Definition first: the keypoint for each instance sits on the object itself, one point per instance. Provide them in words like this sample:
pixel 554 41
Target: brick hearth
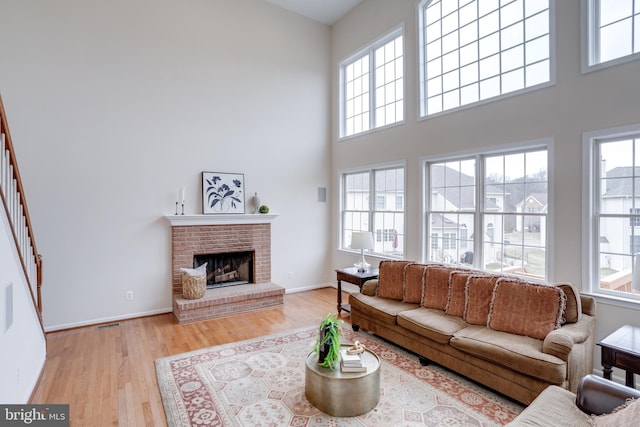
pixel 229 300
pixel 211 234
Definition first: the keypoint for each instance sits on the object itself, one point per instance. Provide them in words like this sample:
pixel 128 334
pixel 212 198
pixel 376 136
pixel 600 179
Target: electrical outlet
pixel 129 295
pixel 290 275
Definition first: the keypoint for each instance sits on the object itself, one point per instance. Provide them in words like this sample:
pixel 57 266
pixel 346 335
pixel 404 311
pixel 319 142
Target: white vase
pixel 256 203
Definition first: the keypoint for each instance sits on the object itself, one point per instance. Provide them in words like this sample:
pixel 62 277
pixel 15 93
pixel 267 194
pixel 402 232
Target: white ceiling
pixel 324 11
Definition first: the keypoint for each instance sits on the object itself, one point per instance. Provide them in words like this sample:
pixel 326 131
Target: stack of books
pixel 351 362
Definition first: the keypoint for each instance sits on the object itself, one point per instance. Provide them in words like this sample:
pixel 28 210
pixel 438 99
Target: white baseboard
pixel 307 288
pixel 159 311
pixel 106 320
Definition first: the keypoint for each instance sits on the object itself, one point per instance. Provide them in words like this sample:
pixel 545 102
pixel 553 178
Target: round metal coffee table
pixel 343 394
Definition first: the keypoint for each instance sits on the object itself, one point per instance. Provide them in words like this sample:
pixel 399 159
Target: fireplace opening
pixel 227 269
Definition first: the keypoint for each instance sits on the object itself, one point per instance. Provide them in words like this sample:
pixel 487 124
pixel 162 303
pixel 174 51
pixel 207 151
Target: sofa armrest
pixel 370 287
pixel 588 305
pixel 560 342
pixel 598 396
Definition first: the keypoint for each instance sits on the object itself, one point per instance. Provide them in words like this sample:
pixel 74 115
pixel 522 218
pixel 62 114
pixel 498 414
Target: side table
pixel 343 394
pixel 621 349
pixel 352 275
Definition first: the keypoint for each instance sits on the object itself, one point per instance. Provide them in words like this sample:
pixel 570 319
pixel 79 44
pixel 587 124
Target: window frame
pixel 372 169
pixel 590 40
pixel 590 215
pixel 426 237
pixel 422 98
pixel 370 49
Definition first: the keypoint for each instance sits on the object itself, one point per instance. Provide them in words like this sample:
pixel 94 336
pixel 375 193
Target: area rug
pixel 260 382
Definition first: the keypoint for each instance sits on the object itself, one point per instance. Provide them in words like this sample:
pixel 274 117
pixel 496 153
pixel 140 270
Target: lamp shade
pixel 635 277
pixel 362 240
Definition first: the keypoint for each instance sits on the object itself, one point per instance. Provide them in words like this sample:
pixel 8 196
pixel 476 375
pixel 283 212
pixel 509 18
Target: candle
pixel 183 188
pixel 177 195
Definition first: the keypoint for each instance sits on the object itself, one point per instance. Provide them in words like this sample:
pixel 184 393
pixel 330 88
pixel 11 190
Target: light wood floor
pixel 107 375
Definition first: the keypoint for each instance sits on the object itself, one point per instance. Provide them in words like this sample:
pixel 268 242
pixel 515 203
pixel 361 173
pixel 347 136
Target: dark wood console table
pixel 621 349
pixel 352 275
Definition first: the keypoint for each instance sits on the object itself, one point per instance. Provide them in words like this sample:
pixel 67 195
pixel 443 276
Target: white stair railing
pixel 15 206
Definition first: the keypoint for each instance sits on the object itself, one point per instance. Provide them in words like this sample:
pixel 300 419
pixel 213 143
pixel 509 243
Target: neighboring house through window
pixel 612 209
pixel 472 51
pixel 372 86
pixel 385 217
pixel 511 238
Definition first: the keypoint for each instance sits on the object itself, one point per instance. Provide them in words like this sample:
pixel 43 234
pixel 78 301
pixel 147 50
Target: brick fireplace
pixel 212 234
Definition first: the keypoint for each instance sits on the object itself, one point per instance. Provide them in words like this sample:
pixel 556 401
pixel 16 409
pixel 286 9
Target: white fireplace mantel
pixel 220 219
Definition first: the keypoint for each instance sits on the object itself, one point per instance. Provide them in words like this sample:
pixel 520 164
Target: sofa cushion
pixel 556 407
pixel 413 283
pixel 431 323
pixel 391 279
pixel 382 309
pixel 456 299
pixel 520 353
pixel 524 308
pixel 479 292
pixel 628 414
pixel 436 286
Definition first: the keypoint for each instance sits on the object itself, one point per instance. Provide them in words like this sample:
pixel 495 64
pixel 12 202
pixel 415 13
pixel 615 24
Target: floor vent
pixel 110 325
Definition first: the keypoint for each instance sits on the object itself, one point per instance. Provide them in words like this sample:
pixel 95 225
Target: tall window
pixel 490 211
pixel 473 50
pixel 370 203
pixel 613 31
pixel 613 215
pixel 372 86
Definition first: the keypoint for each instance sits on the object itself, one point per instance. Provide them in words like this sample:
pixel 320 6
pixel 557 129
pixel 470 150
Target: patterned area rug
pixel 260 382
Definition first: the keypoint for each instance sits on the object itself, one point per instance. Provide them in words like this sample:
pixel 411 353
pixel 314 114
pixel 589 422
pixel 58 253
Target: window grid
pixel 389 82
pixel 370 203
pixel 357 96
pixel 373 86
pixel 469 53
pixel 616 29
pixel 451 207
pixel 507 228
pixel 616 214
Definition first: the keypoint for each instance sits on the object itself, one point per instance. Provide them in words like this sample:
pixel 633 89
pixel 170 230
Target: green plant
pixel 263 209
pixel 328 341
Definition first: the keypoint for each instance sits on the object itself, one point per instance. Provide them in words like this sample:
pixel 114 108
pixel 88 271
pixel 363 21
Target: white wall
pixel 575 104
pixel 114 104
pixel 22 344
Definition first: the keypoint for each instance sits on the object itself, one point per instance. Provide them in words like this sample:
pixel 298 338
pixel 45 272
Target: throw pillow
pixel 436 286
pixel 573 311
pixel 456 299
pixel 413 283
pixel 627 414
pixel 370 287
pixel 479 292
pixel 391 279
pixel 524 308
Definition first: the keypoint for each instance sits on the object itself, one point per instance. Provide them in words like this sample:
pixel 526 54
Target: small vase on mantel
pixel 255 202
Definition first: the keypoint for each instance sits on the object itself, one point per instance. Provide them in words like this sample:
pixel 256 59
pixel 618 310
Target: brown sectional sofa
pixel 513 336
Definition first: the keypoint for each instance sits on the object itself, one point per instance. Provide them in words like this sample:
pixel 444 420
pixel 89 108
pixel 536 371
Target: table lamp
pixel 362 240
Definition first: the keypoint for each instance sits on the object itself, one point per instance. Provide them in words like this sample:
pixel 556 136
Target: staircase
pixel 15 209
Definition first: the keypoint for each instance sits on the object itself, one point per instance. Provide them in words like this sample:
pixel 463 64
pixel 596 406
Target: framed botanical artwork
pixel 222 193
